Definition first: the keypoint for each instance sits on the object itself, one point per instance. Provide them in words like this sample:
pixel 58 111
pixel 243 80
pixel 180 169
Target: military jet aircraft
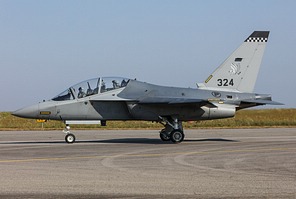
pixel 228 89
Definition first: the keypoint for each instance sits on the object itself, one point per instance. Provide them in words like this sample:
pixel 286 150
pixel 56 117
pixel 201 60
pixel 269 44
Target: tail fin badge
pixel 235 69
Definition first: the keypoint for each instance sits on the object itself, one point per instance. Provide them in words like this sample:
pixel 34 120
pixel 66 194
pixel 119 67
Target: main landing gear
pixel 69 138
pixel 173 130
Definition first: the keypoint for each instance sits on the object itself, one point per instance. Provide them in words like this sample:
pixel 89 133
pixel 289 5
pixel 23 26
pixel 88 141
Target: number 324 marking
pixel 225 82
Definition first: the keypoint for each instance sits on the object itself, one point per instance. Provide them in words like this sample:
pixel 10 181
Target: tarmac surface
pixel 220 163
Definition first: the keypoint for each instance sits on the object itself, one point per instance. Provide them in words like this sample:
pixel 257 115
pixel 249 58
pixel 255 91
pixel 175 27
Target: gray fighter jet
pixel 228 89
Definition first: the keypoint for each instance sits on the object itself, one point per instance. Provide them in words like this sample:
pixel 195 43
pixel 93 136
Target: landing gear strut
pixel 173 129
pixel 69 138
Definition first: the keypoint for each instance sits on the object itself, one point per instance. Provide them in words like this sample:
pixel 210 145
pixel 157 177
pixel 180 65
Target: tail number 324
pixel 225 82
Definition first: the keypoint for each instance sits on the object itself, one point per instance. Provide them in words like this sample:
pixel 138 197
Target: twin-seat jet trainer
pixel 228 89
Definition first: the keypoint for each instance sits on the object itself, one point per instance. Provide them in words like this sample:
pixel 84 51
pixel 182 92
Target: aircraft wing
pixel 169 100
pixel 172 100
pixel 162 100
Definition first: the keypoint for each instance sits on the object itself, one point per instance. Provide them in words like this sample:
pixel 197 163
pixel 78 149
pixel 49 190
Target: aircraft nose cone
pixel 27 112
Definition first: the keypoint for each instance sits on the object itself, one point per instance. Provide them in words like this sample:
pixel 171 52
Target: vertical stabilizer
pixel 239 71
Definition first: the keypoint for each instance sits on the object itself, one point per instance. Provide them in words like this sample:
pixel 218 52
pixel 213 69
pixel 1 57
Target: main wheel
pixel 164 136
pixel 177 136
pixel 70 138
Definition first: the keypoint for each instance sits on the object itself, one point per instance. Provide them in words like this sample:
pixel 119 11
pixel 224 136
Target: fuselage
pixel 124 103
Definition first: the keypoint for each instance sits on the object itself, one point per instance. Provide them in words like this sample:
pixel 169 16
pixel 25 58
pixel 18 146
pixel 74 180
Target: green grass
pixel 243 119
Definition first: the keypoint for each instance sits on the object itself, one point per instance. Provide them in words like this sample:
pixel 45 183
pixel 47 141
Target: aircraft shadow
pixel 113 141
pixel 123 141
pixel 152 141
pixel 127 141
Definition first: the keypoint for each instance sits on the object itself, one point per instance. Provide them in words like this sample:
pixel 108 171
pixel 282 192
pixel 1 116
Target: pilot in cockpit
pixel 81 93
pixel 103 87
pixel 115 84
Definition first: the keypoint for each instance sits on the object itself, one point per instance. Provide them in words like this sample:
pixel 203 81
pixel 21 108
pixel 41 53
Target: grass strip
pixel 243 119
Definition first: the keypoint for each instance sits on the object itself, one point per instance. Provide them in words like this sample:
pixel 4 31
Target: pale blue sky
pixel 47 46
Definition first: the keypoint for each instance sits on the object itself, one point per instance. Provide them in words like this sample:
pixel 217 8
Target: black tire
pixel 164 136
pixel 70 138
pixel 177 136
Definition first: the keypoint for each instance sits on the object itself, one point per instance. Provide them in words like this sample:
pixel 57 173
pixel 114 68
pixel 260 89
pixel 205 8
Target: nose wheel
pixel 69 138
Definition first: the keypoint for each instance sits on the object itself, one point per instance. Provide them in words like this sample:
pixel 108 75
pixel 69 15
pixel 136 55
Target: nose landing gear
pixel 69 138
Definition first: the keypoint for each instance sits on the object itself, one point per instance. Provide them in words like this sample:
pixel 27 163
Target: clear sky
pixel 47 46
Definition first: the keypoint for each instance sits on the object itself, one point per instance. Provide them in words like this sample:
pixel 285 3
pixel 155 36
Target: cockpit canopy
pixel 92 87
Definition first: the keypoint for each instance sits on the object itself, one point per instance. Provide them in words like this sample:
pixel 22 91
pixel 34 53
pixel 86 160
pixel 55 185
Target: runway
pixel 219 163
